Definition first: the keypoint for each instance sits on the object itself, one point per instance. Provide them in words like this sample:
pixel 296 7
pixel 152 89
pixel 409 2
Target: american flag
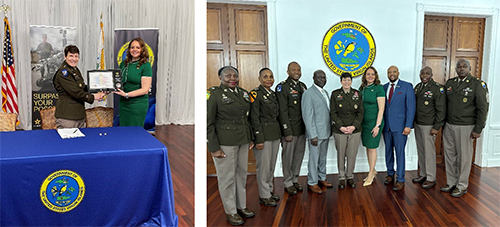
pixel 9 91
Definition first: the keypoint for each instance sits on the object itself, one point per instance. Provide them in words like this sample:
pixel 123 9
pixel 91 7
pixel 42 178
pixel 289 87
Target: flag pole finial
pixel 5 9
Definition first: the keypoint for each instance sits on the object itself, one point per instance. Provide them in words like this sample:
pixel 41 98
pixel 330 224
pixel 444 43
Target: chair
pixel 7 122
pixel 48 118
pixel 99 117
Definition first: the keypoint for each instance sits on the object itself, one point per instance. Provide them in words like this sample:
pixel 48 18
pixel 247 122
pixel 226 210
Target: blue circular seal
pixel 62 191
pixel 348 47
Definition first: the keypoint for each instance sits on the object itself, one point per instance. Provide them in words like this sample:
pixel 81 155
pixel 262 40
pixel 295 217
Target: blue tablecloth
pixel 125 172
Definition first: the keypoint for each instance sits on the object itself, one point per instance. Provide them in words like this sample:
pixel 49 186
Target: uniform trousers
pixel 66 123
pixel 291 157
pixel 426 151
pixel 458 154
pixel 232 177
pixel 316 165
pixel 266 162
pixel 347 147
pixel 395 141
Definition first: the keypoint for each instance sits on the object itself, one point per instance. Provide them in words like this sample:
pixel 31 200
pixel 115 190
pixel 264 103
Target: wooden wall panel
pixel 469 33
pixel 249 64
pixel 250 27
pixel 214 26
pixel 439 68
pixel 215 60
pixel 436 34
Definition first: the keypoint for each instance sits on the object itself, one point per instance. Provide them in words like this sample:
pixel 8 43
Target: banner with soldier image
pixel 47 53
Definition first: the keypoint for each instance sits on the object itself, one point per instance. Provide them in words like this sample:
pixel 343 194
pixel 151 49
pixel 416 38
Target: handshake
pixel 100 96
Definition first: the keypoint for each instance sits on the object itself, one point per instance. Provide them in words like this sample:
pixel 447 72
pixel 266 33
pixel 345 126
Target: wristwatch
pixel 126 96
pixel 376 125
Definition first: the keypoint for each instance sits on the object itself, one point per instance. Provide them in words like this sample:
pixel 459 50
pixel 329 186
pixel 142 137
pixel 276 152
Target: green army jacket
pixel 72 92
pixel 346 109
pixel 467 103
pixel 264 115
pixel 289 96
pixel 227 117
pixel 431 104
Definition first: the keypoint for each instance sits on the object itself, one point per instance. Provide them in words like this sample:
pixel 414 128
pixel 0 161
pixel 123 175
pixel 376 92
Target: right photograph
pixel 359 113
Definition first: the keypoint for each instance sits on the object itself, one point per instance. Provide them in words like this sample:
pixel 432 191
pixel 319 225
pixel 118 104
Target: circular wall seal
pixel 122 54
pixel 62 191
pixel 348 47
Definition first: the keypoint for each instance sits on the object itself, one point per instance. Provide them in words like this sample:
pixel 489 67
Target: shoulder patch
pixel 253 96
pixel 278 88
pixel 64 72
pixel 208 95
pixel 483 84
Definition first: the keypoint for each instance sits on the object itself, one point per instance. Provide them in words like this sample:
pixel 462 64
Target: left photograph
pixel 97 120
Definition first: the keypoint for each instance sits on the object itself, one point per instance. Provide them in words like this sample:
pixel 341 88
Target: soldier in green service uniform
pixel 72 91
pixel 346 112
pixel 264 117
pixel 289 93
pixel 229 136
pixel 467 101
pixel 429 118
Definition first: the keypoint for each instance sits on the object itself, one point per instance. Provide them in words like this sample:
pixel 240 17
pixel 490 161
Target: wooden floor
pixel 180 144
pixel 376 205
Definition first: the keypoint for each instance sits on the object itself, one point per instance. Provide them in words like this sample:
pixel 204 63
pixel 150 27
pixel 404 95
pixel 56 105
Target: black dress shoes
pixel 419 180
pixel 234 219
pixel 291 190
pixel 298 187
pixel 351 183
pixel 270 202
pixel 447 188
pixel 275 197
pixel 245 212
pixel 458 193
pixel 341 184
pixel 389 179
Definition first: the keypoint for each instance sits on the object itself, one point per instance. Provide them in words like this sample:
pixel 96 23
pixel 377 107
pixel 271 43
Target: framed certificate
pixel 104 80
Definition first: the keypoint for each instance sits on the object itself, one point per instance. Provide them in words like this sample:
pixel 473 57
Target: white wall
pixel 297 28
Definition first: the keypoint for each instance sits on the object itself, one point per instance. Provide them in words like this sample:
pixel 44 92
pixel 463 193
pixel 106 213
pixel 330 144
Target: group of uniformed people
pixel 238 120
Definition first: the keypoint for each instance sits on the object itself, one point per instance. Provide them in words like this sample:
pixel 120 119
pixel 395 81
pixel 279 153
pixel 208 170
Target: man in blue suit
pixel 398 115
pixel 316 115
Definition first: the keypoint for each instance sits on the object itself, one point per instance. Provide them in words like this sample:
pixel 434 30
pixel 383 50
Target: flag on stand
pixel 9 90
pixel 100 58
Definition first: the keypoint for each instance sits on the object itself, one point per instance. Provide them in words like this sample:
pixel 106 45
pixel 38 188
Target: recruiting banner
pixel 47 53
pixel 150 37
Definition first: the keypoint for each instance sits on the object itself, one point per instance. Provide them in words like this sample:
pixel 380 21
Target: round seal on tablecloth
pixel 62 191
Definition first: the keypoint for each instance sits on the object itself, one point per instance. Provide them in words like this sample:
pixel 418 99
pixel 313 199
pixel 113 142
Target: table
pixel 118 176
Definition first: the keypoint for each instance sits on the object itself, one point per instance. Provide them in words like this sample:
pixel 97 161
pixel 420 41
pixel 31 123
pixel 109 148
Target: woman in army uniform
pixel 264 112
pixel 346 112
pixel 373 118
pixel 72 91
pixel 229 137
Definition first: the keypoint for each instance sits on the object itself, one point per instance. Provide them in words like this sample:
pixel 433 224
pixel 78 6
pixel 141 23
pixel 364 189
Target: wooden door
pixel 237 36
pixel 446 40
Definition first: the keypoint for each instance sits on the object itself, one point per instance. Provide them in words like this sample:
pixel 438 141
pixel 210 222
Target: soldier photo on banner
pixel 47 53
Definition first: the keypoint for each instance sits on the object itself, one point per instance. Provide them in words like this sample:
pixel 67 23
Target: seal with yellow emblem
pixel 62 191
pixel 348 47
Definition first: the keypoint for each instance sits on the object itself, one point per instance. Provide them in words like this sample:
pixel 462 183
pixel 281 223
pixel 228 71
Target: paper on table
pixel 66 133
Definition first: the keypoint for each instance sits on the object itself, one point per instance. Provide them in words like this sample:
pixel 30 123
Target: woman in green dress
pixel 136 79
pixel 373 118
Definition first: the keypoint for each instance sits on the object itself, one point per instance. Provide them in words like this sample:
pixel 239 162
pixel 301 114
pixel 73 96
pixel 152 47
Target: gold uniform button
pixel 340 105
pixel 465 100
pixel 426 103
pixel 294 102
